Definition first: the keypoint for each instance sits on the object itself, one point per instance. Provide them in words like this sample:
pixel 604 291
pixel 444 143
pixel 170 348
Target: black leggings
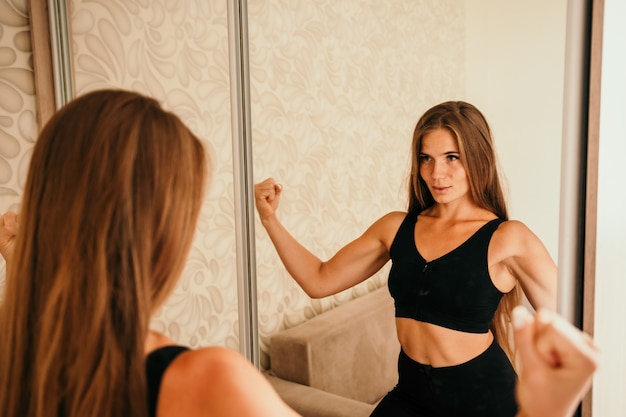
pixel 482 387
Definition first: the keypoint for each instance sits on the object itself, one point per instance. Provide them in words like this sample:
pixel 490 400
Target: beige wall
pixel 515 74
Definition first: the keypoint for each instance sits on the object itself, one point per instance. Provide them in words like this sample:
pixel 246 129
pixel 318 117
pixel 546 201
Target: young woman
pixel 458 264
pixel 109 210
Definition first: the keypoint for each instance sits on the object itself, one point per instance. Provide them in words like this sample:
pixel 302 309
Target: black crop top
pixel 454 290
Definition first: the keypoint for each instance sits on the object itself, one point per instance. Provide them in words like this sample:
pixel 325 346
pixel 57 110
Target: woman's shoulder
pixel 514 235
pixel 214 380
pixel 199 366
pixel 514 228
pixel 215 360
pixel 199 380
pixel 386 227
pixel 391 220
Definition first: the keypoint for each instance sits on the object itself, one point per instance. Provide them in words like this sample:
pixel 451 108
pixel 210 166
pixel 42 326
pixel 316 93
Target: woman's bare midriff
pixel 438 346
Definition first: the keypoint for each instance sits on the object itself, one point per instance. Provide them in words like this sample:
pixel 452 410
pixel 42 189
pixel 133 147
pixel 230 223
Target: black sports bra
pixel 454 291
pixel 156 365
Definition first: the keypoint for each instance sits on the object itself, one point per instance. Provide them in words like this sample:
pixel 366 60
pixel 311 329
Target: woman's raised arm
pixel 352 264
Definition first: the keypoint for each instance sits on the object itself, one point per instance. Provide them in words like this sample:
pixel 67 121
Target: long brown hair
pixel 113 193
pixel 476 147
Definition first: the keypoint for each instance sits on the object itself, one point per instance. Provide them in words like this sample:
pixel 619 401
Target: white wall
pixel 610 332
pixel 515 69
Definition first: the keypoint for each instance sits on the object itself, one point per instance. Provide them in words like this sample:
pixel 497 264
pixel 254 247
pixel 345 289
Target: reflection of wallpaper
pixel 176 52
pixel 18 124
pixel 336 89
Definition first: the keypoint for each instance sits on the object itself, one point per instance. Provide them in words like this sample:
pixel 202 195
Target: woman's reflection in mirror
pixel 459 265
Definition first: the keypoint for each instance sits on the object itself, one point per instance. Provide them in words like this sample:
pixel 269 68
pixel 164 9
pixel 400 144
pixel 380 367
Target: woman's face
pixel 441 168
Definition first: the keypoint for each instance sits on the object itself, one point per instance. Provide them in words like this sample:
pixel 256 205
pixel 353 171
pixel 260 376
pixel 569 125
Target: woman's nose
pixel 439 170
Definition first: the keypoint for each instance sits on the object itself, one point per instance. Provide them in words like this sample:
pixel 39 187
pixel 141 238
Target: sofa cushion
pixel 312 402
pixel 350 351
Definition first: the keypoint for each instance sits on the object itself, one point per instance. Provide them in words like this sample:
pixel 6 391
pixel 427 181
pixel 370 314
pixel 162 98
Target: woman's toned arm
pixel 525 259
pixel 352 264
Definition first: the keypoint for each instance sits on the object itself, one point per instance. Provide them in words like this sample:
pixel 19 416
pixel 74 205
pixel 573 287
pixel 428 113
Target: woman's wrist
pixel 270 221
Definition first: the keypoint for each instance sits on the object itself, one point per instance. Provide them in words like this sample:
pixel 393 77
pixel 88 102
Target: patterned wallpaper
pixel 176 52
pixel 18 120
pixel 337 86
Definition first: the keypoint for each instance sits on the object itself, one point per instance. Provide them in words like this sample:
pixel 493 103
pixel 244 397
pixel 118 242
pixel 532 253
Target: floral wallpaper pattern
pixel 336 87
pixel 18 121
pixel 177 52
pixel 18 118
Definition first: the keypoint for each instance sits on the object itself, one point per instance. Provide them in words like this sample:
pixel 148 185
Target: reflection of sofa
pixel 341 362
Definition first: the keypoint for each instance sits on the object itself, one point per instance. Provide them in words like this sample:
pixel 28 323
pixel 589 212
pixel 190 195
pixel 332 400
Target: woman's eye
pixel 453 157
pixel 424 158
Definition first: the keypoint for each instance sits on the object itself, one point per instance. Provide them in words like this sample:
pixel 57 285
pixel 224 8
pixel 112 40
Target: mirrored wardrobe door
pixel 336 88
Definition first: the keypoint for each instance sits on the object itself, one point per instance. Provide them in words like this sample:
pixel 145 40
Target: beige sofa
pixel 341 362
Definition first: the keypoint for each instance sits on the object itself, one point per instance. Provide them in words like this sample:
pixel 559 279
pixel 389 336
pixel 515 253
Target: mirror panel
pixel 336 88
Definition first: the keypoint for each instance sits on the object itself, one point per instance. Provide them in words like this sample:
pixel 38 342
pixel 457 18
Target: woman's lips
pixel 440 189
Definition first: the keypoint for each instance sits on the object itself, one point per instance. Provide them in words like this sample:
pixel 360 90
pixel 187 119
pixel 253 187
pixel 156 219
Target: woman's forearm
pixel 301 264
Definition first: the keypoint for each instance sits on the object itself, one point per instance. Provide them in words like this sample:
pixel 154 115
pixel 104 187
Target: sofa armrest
pixel 350 351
